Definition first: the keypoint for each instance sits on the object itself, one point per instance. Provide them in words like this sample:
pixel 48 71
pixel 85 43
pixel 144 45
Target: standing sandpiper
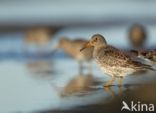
pixel 113 61
pixel 72 48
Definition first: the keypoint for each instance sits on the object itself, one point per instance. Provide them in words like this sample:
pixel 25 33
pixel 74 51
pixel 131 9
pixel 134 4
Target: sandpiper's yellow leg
pixel 110 82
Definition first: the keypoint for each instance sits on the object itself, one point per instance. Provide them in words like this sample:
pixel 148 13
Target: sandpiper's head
pixel 96 40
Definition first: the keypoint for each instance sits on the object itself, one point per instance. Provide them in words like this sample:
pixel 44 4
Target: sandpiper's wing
pixel 139 65
pixel 115 57
pixel 112 56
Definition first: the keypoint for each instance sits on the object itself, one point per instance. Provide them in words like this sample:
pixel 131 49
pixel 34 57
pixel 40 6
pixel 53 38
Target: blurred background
pixel 41 69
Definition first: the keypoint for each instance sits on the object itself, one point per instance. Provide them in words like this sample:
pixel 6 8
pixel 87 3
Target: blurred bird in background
pixel 38 39
pixel 137 36
pixel 72 48
pixel 39 35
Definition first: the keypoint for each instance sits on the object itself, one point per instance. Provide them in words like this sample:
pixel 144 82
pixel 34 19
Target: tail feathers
pixel 149 67
pixel 142 66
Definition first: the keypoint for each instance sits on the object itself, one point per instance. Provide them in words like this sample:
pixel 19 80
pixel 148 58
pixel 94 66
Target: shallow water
pixel 23 89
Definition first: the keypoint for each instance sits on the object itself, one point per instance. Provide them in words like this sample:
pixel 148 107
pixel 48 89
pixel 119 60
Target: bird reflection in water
pixel 80 85
pixel 118 90
pixel 40 68
pixel 115 89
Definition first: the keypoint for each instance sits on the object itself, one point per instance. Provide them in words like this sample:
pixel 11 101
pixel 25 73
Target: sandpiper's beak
pixel 87 45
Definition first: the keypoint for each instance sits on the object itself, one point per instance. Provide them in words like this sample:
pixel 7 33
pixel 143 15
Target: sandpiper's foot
pixel 110 82
pixel 107 85
pixel 109 90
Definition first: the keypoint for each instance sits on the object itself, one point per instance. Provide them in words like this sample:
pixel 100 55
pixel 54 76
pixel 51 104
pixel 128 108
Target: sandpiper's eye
pixel 95 39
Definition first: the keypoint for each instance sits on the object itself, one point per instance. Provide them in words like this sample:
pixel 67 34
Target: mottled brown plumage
pixel 113 61
pixel 112 56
